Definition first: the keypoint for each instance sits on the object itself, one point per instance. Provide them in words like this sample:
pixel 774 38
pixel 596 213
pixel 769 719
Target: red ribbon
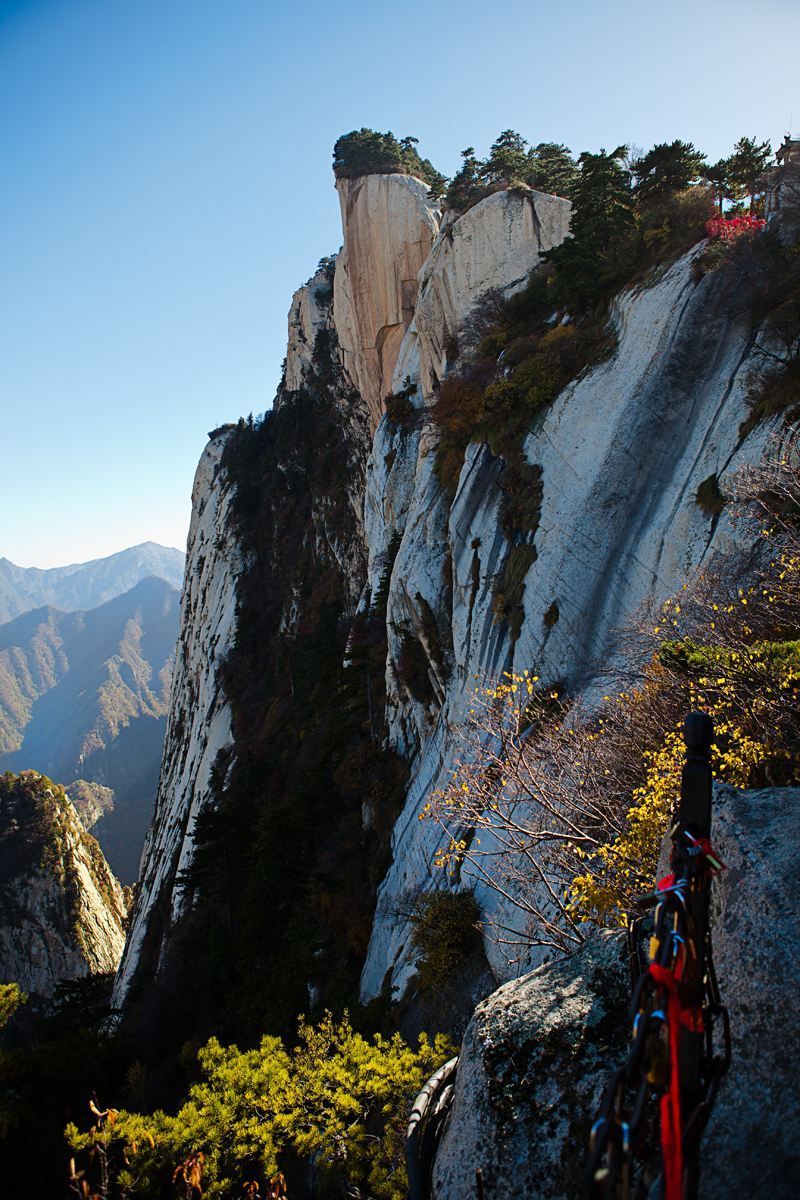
pixel 671 1131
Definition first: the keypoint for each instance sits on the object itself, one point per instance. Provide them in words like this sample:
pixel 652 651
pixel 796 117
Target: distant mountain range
pixel 83 697
pixel 85 585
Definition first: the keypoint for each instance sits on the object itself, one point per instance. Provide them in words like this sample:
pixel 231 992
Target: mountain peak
pixel 80 586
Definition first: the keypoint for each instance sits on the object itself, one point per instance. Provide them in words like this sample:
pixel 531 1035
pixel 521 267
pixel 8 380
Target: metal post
pixel 694 821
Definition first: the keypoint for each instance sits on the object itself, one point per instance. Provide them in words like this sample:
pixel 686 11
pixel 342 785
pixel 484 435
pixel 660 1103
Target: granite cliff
pixel 618 459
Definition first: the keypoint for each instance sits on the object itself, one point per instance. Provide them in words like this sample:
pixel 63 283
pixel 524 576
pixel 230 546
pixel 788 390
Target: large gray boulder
pixel 752 1144
pixel 539 1051
pixel 533 1066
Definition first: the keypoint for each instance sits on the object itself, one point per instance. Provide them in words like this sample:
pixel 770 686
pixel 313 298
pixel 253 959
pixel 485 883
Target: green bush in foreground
pixel 11 997
pixel 337 1100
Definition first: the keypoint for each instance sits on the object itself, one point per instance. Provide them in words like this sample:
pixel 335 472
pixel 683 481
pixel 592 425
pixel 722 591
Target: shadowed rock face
pixel 538 1053
pixel 61 909
pixel 199 723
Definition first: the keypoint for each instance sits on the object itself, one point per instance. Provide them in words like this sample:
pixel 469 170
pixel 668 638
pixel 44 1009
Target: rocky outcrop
pixel 301 520
pixel 62 912
pixel 751 1142
pixel 309 314
pixel 199 723
pixel 620 455
pixel 534 1062
pixel 489 250
pixel 389 226
pixel 539 1052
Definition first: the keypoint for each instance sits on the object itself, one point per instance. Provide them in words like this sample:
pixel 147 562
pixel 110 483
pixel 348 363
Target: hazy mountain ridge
pixel 85 585
pixel 83 696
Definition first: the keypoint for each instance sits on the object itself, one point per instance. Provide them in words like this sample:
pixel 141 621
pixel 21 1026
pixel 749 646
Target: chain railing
pixel 675 1010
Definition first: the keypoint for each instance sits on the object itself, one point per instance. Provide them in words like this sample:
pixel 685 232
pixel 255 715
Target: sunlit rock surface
pixel 492 248
pixel 622 452
pixel 309 313
pixel 389 226
pixel 62 912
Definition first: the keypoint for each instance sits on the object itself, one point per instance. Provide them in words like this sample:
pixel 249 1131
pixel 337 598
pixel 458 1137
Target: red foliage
pixel 729 228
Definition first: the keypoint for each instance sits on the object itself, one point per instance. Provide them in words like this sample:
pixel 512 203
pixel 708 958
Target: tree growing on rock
pixel 551 168
pixel 507 161
pixel 465 187
pixel 591 263
pixel 746 166
pixel 367 152
pixel 667 168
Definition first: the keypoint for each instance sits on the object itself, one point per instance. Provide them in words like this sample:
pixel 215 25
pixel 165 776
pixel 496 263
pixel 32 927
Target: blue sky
pixel 165 185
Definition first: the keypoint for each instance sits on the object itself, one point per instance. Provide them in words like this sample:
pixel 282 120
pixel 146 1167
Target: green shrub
pixel 366 152
pixel 510 588
pixel 775 393
pixel 709 497
pixel 336 1100
pixel 445 932
pixel 522 493
pixel 11 998
pixel 400 411
pixel 413 669
pixel 672 224
pixel 458 412
pixel 550 618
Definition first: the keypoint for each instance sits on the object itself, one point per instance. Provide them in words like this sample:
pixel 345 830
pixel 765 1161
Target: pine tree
pixel 746 165
pixel 718 175
pixel 465 187
pixel 669 167
pixel 507 161
pixel 595 260
pixel 551 168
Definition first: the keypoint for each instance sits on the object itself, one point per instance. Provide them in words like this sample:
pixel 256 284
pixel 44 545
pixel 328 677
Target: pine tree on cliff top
pixel 367 152
pixel 588 263
pixel 668 167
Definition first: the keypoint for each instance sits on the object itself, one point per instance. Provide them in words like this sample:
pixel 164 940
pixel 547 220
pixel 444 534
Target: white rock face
pixel 491 248
pixel 389 226
pixel 62 918
pixel 199 723
pixel 622 452
pixel 308 314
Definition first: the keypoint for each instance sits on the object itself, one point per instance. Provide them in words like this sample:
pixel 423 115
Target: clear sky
pixel 165 186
